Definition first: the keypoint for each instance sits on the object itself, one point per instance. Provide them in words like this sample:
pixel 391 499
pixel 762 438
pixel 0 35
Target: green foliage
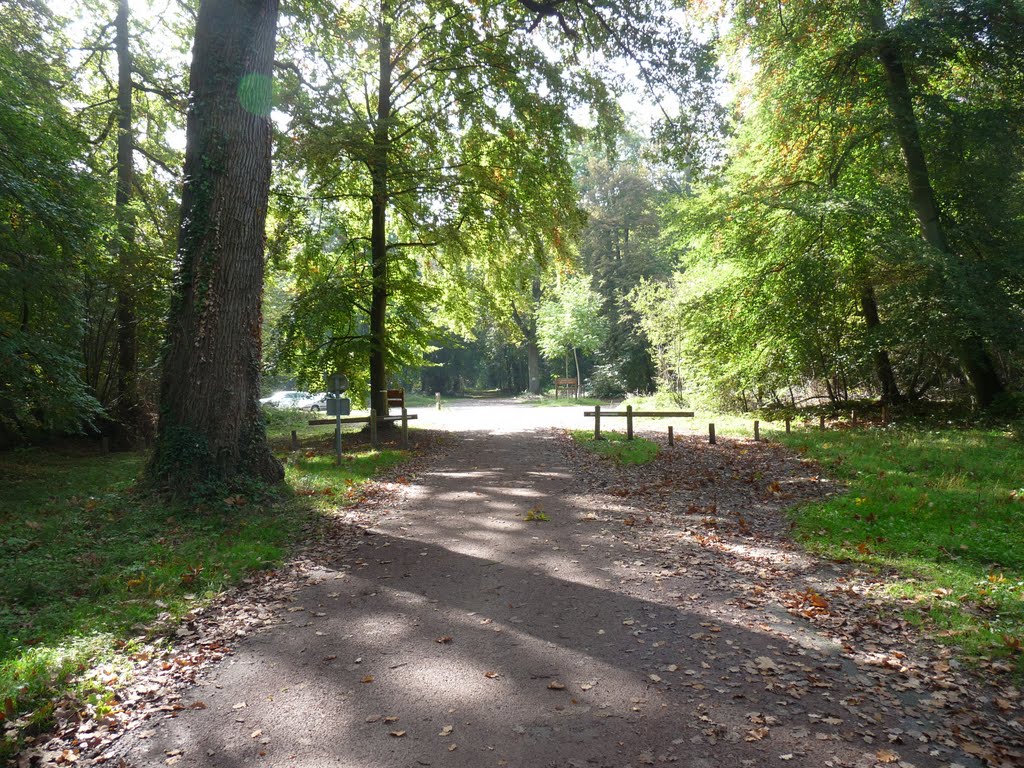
pixel 570 318
pixel 943 509
pixel 85 559
pixel 614 445
pixel 47 206
pixel 802 272
pixel 620 246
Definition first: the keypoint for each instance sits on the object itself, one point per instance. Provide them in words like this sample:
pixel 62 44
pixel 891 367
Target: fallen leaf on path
pixel 886 756
pixel 397 734
pixel 447 730
pixel 492 675
pixel 554 685
pixel 444 640
pixel 367 679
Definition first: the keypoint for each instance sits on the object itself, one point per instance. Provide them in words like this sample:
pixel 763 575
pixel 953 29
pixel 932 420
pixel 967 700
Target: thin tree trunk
pixel 126 414
pixel 883 365
pixel 579 382
pixel 211 429
pixel 378 224
pixel 974 357
pixel 533 366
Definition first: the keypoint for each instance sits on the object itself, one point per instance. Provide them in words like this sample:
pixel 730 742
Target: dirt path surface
pixel 657 617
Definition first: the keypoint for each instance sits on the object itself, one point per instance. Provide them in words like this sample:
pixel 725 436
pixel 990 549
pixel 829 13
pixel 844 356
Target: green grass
pixel 943 509
pixel 615 445
pixel 726 424
pixel 87 565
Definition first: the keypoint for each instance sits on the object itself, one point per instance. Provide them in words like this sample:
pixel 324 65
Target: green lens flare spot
pixel 255 93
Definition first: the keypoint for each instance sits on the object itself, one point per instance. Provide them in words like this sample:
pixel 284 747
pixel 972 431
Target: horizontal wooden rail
pixel 636 414
pixel 372 420
pixel 630 414
pixel 357 420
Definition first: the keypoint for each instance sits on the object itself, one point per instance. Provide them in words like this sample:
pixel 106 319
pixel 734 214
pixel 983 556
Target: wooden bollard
pixel 629 422
pixel 597 422
pixel 405 428
pixel 821 421
pixel 671 442
pixel 787 425
pixel 373 428
pixel 757 431
pixel 295 440
pixel 711 434
pixel 853 418
pixel 437 400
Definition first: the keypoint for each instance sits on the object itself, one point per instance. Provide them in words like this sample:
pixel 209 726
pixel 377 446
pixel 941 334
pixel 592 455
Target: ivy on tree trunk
pixel 211 428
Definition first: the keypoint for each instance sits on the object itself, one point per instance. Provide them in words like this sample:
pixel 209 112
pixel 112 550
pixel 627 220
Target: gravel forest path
pixel 656 616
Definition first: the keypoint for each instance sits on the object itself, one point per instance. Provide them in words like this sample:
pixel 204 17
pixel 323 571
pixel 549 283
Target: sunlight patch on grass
pixel 87 562
pixel 614 445
pixel 938 507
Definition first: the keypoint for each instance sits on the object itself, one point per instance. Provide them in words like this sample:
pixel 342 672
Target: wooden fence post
pixel 711 434
pixel 885 416
pixel 821 421
pixel 437 400
pixel 629 422
pixel 670 439
pixel 787 425
pixel 597 422
pixel 757 431
pixel 373 428
pixel 405 428
pixel 295 440
pixel 853 418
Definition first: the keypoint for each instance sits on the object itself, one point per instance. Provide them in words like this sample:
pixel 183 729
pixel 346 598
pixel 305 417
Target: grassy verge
pixel 87 564
pixel 944 509
pixel 726 424
pixel 565 402
pixel 615 445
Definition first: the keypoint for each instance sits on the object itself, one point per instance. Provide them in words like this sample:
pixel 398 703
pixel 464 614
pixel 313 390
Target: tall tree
pixel 133 102
pixel 571 320
pixel 808 262
pixel 127 412
pixel 971 349
pixel 424 118
pixel 211 428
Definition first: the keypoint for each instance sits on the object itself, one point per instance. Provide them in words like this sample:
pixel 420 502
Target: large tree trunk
pixel 211 428
pixel 883 365
pixel 378 224
pixel 126 414
pixel 974 357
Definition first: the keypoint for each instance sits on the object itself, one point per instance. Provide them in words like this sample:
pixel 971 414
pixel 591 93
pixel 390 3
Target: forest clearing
pixel 512 383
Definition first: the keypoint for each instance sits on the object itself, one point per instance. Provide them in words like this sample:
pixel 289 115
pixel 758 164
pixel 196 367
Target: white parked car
pixel 293 399
pixel 315 402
